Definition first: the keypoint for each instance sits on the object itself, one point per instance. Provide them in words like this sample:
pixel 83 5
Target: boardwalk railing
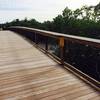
pixel 79 55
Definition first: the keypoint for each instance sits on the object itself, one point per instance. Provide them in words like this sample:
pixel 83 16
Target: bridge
pixel 29 69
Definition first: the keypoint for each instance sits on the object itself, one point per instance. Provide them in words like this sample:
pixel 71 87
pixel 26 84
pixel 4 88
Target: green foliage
pixel 82 22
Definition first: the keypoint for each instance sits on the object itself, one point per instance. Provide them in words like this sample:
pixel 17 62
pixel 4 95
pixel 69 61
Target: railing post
pixel 36 38
pixel 46 45
pixel 61 44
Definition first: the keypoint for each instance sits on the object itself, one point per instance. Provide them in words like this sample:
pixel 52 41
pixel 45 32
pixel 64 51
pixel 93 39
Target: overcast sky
pixel 41 10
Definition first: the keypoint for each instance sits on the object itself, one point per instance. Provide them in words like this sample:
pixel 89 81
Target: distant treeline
pixel 82 22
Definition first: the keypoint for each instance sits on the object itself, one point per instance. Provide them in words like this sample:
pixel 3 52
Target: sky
pixel 41 10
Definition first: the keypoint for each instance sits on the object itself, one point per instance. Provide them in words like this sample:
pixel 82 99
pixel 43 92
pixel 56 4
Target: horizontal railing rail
pixel 83 40
pixel 80 54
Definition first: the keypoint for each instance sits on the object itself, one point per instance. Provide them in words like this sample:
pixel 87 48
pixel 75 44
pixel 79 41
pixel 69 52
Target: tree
pixel 97 11
pixel 58 23
pixel 77 13
pixel 84 21
pixel 67 13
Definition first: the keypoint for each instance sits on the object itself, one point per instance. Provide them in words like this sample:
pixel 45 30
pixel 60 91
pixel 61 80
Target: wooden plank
pixel 28 74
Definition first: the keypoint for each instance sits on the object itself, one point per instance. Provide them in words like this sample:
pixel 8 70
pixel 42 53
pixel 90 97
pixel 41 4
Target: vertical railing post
pixel 36 38
pixel 61 44
pixel 46 44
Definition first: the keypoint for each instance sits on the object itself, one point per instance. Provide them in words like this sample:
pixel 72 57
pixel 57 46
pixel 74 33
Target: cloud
pixel 15 5
pixel 39 9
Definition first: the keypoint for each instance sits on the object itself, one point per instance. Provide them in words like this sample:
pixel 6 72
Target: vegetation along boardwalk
pixel 28 74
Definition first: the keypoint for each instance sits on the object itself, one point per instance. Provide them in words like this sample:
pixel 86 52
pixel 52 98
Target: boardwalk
pixel 28 74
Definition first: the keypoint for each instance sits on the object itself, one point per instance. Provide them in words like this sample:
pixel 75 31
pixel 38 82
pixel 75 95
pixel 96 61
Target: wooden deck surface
pixel 28 74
